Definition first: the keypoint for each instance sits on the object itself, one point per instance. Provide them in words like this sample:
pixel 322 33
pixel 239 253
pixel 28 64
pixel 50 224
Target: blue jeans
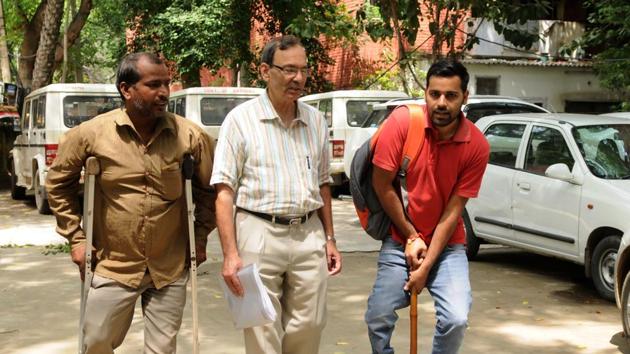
pixel 447 283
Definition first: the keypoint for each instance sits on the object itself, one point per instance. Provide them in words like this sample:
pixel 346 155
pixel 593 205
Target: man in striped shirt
pixel 272 163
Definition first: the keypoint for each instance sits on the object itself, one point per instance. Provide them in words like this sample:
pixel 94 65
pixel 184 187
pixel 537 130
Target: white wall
pixel 550 85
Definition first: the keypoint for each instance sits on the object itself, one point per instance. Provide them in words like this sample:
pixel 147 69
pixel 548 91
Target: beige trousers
pixel 292 264
pixel 110 307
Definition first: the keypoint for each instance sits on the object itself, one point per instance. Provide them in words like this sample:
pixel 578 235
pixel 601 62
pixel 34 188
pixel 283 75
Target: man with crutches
pixel 140 218
pixel 426 248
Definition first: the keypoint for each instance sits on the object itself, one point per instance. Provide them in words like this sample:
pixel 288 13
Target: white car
pixel 557 185
pixel 345 111
pixel 476 107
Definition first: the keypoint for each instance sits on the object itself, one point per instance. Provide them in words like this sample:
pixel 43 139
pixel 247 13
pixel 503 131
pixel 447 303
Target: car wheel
pixel 17 192
pixel 603 266
pixel 40 196
pixel 625 305
pixel 472 241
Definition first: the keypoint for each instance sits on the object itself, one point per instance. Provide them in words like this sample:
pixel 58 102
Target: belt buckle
pixel 295 221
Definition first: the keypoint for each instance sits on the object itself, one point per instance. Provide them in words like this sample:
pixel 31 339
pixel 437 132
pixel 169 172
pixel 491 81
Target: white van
pixel 47 114
pixel 208 106
pixel 346 111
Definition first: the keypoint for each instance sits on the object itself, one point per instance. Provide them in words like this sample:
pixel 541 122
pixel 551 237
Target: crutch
pixel 413 317
pixel 92 169
pixel 187 170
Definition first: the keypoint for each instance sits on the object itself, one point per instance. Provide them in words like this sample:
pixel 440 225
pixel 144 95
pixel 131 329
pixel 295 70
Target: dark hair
pixel 449 68
pixel 128 68
pixel 282 43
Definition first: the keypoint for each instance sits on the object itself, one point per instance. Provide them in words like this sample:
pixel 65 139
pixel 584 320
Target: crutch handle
pixel 188 166
pixel 92 167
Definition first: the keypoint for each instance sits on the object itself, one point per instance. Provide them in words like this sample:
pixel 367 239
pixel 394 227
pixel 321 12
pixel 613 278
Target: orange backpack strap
pixel 415 137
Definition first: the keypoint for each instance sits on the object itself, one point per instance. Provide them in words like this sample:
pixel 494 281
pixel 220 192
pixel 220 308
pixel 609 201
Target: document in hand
pixel 255 307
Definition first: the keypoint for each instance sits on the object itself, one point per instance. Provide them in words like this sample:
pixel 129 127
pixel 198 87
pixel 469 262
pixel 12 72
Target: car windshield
pixel 605 149
pixel 376 118
pixel 214 109
pixel 78 109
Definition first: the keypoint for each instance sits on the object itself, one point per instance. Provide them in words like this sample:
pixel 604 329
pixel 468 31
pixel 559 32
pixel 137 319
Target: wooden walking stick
pixel 187 170
pixel 92 169
pixel 413 316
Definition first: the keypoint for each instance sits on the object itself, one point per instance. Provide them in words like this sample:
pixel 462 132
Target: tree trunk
pixel 30 43
pixel 4 50
pixel 45 59
pixel 74 28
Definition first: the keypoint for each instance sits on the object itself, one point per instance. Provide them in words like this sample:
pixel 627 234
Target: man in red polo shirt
pixel 428 249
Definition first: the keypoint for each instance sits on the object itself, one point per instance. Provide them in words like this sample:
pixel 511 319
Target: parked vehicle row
pixel 47 114
pixel 346 111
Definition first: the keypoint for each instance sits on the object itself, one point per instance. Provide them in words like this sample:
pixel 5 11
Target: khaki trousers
pixel 292 264
pixel 110 307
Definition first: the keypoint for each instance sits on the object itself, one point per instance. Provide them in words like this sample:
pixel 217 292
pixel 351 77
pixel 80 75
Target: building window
pixel 487 86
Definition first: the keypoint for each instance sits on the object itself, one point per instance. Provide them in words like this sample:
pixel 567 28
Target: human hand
pixel 77 255
pixel 231 266
pixel 415 252
pixel 417 280
pixel 333 258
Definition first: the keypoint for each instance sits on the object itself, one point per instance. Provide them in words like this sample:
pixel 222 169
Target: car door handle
pixel 524 186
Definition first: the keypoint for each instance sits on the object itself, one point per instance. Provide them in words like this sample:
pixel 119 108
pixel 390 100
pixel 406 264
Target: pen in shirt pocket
pixel 308 162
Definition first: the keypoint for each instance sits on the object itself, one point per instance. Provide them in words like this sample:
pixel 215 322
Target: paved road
pixel 523 303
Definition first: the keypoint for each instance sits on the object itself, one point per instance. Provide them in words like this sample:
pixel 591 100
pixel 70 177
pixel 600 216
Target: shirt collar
pixel 269 112
pixel 164 123
pixel 462 134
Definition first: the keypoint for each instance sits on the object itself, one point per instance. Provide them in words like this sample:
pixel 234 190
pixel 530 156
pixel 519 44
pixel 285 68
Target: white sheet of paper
pixel 255 307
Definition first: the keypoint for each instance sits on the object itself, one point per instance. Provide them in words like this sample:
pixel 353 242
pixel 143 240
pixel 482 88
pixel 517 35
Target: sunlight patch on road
pixel 29 235
pixel 561 333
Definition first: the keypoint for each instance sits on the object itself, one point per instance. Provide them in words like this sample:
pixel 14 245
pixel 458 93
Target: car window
pixel 180 106
pixel 78 109
pixel 523 108
pixel 376 118
pixel 171 106
pixel 504 140
pixel 325 106
pixel 475 111
pixel 214 109
pixel 40 117
pixel 479 110
pixel 605 149
pixel 27 116
pixel 546 147
pixel 358 111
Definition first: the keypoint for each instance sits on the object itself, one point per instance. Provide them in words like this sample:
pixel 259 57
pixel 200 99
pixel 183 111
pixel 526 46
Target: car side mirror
pixel 559 171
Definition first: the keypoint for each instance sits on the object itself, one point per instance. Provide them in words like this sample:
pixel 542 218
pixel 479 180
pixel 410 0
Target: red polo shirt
pixel 442 168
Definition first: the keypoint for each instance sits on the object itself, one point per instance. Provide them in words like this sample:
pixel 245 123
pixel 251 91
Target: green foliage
pixel 210 33
pixel 56 249
pixel 608 32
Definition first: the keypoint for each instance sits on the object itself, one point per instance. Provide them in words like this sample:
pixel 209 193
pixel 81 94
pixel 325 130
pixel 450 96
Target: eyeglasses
pixel 292 71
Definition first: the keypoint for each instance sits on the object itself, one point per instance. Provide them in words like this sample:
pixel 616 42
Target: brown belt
pixel 282 220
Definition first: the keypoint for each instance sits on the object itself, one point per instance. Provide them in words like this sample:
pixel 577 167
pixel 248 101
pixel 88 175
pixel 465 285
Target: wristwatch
pixel 331 238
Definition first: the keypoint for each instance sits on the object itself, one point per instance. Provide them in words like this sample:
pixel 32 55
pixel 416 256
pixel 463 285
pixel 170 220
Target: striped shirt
pixel 273 169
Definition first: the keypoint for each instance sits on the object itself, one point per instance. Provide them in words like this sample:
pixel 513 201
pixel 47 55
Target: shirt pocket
pixel 170 184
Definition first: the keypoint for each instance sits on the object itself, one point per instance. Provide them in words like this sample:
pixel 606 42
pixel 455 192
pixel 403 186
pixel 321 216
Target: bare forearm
pixel 225 222
pixel 393 207
pixel 325 212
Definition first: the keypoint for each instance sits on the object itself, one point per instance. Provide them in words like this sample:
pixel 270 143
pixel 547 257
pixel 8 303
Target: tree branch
pixel 74 29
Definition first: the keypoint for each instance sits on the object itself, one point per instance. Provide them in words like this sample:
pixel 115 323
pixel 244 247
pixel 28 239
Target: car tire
pixel 603 266
pixel 625 305
pixel 17 192
pixel 472 241
pixel 41 202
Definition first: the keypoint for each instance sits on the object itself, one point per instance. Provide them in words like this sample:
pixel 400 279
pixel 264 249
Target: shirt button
pixel 146 218
pixel 146 173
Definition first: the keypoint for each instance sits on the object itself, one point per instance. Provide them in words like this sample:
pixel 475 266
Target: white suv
pixel 557 185
pixel 47 114
pixel 476 107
